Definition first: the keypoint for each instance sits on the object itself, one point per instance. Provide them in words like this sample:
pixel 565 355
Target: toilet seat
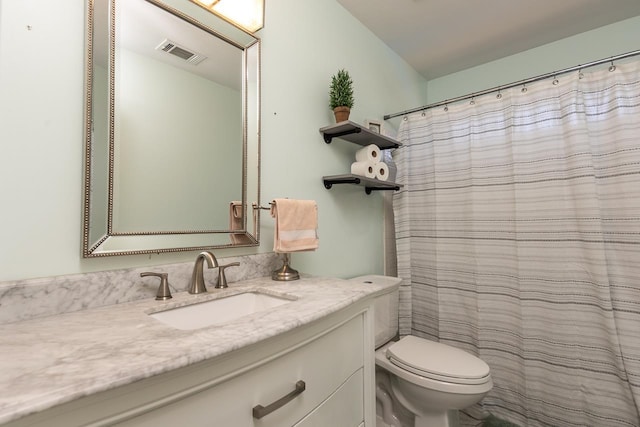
pixel 438 361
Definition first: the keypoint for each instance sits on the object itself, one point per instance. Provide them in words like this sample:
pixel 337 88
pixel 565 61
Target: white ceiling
pixel 143 26
pixel 439 37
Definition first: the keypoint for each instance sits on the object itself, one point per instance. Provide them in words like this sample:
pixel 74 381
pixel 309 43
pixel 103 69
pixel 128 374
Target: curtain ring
pixel 446 107
pixel 555 81
pixel 424 113
pixel 473 101
pixel 524 88
pixel 404 119
pixel 580 75
pixel 612 68
pixel 499 95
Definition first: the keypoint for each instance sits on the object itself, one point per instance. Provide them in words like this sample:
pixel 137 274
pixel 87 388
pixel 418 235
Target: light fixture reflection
pixel 246 14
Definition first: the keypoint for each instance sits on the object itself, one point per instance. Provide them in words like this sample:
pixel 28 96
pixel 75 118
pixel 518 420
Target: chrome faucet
pixel 197 285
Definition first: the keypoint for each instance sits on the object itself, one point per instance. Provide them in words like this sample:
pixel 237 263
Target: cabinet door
pixel 344 408
pixel 324 364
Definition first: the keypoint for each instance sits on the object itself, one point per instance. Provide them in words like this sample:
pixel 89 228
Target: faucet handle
pixel 222 279
pixel 164 292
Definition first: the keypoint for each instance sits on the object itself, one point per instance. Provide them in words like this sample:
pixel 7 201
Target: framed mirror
pixel 172 148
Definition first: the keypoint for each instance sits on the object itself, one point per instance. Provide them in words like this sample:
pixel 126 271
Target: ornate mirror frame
pixel 99 236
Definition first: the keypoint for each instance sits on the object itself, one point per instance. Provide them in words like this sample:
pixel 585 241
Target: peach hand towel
pixel 296 227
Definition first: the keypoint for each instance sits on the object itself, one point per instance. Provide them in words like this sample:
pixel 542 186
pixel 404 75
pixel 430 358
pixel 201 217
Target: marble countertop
pixel 48 361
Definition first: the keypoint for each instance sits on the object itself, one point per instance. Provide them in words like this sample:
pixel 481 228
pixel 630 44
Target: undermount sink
pixel 218 311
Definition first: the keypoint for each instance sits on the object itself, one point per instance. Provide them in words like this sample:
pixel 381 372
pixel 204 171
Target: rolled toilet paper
pixel 370 153
pixel 366 169
pixel 382 171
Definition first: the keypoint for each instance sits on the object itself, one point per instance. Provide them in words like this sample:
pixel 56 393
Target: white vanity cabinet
pixel 332 356
pixel 325 365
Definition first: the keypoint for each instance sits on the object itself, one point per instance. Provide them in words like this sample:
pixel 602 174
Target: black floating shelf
pixel 368 183
pixel 353 132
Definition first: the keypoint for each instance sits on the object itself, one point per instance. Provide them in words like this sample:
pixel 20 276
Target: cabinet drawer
pixel 344 408
pixel 324 364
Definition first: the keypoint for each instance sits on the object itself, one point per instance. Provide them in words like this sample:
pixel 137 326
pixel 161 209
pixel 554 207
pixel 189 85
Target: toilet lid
pixel 438 361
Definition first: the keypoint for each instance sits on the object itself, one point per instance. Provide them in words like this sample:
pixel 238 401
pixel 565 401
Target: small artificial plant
pixel 341 90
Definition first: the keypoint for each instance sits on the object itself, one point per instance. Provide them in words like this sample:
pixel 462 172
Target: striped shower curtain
pixel 518 236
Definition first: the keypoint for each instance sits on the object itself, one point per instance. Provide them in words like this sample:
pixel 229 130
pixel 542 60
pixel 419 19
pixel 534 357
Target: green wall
pixel 304 43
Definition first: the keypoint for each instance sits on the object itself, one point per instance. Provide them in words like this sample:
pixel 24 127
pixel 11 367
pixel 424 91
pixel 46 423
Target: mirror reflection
pixel 178 122
pixel 173 139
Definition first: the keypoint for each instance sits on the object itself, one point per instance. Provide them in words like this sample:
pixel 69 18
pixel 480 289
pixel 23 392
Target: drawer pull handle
pixel 260 411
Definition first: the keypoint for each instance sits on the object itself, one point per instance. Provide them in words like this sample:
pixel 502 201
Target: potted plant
pixel 341 95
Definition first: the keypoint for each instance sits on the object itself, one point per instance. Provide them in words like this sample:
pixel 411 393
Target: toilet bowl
pixel 430 380
pixel 433 380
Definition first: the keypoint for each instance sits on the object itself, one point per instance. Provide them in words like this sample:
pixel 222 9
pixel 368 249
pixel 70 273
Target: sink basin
pixel 218 311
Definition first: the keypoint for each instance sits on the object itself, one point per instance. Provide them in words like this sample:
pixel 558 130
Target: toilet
pixel 417 380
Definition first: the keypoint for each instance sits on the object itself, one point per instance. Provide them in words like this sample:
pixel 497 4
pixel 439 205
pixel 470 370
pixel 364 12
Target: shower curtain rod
pixel 514 84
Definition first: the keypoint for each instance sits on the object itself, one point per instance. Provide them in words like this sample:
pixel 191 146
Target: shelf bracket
pixel 368 190
pixel 369 185
pixel 329 183
pixel 328 137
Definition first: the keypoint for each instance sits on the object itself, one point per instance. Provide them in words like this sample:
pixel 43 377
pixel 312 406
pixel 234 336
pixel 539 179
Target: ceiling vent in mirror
pixel 181 52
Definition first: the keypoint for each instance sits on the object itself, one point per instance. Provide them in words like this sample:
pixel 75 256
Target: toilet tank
pixel 385 308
